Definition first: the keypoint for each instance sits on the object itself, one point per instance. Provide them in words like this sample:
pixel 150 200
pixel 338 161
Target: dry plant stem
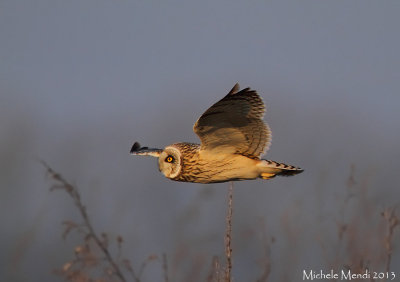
pixel 213 275
pixel 267 251
pixel 228 235
pixel 165 267
pixel 71 190
pixel 392 222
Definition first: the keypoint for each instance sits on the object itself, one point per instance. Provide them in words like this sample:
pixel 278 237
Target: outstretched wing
pixel 145 151
pixel 234 124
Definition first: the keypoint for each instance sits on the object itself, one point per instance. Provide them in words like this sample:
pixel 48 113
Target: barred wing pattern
pixel 234 125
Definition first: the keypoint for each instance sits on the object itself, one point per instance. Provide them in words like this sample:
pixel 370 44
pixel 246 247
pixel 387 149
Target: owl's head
pixel 169 162
pixel 169 159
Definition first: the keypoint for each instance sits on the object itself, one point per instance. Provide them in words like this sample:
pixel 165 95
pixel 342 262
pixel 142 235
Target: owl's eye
pixel 169 159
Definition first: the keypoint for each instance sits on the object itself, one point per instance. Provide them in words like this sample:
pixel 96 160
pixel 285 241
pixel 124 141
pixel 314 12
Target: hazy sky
pixel 80 81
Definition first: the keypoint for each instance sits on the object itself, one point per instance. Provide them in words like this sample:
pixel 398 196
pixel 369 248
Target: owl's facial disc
pixel 169 162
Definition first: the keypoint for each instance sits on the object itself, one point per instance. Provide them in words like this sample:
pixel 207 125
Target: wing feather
pixel 234 124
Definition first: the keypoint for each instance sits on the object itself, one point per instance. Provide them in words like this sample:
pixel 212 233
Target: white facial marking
pixel 173 168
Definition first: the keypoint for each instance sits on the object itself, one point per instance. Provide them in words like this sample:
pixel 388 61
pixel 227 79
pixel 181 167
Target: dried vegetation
pixel 364 241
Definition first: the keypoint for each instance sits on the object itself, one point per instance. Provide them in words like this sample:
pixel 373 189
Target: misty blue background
pixel 80 81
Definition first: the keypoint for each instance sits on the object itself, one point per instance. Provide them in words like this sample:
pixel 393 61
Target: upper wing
pixel 234 124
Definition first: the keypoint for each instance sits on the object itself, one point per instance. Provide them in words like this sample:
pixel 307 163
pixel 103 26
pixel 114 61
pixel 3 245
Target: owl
pixel 233 138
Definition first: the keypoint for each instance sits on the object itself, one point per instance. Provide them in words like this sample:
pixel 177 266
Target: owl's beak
pixel 145 151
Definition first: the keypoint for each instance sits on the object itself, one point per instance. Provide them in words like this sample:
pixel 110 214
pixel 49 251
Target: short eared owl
pixel 233 138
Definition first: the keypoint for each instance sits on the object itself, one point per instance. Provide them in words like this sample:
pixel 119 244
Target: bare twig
pixel 127 264
pixel 165 267
pixel 213 275
pixel 228 235
pixel 392 221
pixel 267 254
pixel 61 183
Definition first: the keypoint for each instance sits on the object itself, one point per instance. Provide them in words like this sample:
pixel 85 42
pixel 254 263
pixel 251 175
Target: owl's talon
pixel 267 175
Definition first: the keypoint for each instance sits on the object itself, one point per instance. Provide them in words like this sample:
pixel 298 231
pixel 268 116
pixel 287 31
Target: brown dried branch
pixel 137 276
pixel 392 221
pixel 127 264
pixel 101 242
pixel 228 235
pixel 165 267
pixel 214 274
pixel 267 242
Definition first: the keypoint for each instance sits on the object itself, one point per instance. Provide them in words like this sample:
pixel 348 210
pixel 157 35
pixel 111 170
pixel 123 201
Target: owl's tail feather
pixel 271 169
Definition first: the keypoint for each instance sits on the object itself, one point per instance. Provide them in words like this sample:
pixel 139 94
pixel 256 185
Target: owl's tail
pixel 270 169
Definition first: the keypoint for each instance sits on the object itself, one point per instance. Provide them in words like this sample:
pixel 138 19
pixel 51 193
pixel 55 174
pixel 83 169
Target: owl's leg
pixel 266 175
